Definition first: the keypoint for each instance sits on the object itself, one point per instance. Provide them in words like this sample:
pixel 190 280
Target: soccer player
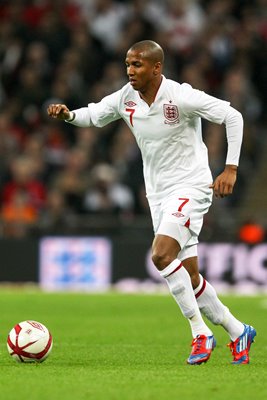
pixel 165 118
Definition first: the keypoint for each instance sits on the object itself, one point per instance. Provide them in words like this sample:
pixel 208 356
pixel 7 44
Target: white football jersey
pixel 168 133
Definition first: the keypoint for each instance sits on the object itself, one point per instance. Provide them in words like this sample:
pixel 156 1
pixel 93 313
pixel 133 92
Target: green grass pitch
pixel 126 347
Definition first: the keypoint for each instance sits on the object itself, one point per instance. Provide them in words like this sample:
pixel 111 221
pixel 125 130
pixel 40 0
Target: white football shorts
pixel 180 216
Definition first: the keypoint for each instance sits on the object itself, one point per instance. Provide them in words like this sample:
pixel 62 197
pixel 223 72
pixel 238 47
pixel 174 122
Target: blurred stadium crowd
pixel 54 176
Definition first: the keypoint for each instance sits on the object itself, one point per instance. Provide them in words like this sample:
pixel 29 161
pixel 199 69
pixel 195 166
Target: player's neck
pixel 150 93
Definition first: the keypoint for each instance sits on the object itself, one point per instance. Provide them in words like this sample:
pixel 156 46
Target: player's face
pixel 140 70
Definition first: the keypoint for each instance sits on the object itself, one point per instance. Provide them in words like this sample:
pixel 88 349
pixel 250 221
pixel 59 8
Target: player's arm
pixel 95 114
pixel 79 117
pixel 224 183
pixel 196 102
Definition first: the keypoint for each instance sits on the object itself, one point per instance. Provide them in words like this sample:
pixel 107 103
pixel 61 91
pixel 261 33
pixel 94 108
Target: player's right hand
pixel 59 111
pixel 224 183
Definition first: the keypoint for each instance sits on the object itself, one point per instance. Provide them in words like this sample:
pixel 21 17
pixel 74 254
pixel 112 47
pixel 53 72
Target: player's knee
pixel 161 260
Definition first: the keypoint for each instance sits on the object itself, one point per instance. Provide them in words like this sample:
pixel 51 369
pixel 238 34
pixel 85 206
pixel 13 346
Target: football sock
pixel 180 286
pixel 213 309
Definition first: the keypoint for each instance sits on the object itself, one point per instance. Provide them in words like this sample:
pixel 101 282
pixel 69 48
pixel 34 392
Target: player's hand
pixel 59 111
pixel 224 183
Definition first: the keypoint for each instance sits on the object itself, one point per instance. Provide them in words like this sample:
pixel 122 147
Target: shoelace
pixel 235 353
pixel 197 345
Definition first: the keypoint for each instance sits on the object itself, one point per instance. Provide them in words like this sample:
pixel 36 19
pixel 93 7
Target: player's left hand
pixel 224 183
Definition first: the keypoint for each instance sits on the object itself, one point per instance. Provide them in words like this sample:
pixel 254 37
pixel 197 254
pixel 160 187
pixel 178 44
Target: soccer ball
pixel 29 341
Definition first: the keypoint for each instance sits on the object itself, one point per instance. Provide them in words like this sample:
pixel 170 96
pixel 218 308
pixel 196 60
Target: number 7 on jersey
pixel 131 111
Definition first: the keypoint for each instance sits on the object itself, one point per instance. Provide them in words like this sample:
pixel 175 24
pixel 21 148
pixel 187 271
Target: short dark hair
pixel 152 50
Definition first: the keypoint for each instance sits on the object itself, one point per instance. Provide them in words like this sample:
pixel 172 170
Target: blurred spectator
pixel 86 138
pixel 123 150
pixel 106 195
pixel 113 79
pixel 18 216
pixel 239 90
pixel 56 217
pixel 11 141
pixel 24 179
pixel 90 51
pixel 23 196
pixel 31 93
pixel 72 180
pixel 107 20
pixel 53 30
pixel 55 147
pixel 143 16
pixel 182 22
pixel 37 58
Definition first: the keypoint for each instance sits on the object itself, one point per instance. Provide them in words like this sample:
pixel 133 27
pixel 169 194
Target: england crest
pixel 171 113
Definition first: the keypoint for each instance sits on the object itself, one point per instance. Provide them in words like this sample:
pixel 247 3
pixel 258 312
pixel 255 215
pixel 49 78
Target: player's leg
pixel 210 305
pixel 164 255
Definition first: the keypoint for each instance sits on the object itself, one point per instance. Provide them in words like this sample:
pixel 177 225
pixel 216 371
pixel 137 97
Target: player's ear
pixel 157 68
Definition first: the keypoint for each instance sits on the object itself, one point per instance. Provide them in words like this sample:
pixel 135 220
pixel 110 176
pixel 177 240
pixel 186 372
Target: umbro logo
pixel 130 103
pixel 178 214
